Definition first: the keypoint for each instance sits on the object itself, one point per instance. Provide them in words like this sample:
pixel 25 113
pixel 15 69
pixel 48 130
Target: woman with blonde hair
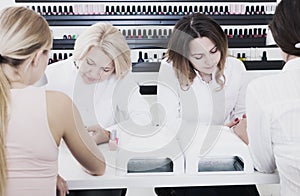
pixel 101 60
pixel 33 120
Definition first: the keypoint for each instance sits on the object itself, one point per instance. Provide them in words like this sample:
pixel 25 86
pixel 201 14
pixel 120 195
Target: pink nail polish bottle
pixel 113 141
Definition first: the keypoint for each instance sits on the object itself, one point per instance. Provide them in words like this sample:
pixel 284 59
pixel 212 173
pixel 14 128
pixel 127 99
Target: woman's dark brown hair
pixel 285 26
pixel 186 29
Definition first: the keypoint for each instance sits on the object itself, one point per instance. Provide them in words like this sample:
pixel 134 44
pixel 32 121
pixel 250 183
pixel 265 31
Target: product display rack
pixel 132 14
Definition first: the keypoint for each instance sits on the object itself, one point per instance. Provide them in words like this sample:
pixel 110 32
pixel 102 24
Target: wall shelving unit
pixel 131 14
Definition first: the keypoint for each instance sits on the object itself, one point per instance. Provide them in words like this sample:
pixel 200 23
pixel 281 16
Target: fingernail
pixel 236 119
pixel 244 115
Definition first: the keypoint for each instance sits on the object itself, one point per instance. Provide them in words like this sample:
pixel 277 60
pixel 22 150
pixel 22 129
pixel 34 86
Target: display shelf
pixel 68 44
pixel 264 65
pixel 140 20
pixel 250 65
pixel 62 1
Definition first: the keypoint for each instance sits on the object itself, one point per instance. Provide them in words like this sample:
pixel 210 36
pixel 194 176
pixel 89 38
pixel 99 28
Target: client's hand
pixel 61 186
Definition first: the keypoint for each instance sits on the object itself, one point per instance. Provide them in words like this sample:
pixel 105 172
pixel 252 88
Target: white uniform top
pixel 273 113
pixel 202 101
pixel 99 103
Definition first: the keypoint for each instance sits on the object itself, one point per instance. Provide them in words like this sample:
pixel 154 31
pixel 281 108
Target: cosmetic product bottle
pixel 140 59
pixel 138 10
pixel 155 58
pixel 133 12
pixel 113 140
pixel 195 8
pixel 264 56
pixel 243 57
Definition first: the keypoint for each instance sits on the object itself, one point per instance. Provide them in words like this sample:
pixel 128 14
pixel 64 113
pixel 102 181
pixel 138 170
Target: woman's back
pixel 32 163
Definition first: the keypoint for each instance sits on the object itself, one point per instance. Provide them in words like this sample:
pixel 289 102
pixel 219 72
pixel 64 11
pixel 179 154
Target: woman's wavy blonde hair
pixel 110 40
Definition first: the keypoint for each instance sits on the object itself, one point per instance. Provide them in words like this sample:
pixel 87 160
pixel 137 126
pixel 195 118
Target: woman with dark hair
pixel 273 106
pixel 196 63
pixel 199 82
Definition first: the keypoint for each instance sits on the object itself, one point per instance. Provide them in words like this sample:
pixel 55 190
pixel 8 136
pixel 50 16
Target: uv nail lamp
pixel 215 149
pixel 149 150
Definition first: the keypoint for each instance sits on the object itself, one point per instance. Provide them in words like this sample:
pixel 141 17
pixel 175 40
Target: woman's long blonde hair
pixel 22 33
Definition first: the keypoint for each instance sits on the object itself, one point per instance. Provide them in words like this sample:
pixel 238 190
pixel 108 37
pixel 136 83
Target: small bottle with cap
pixel 113 140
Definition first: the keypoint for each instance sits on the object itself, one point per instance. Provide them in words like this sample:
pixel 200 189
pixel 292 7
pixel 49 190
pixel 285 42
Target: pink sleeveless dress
pixel 32 153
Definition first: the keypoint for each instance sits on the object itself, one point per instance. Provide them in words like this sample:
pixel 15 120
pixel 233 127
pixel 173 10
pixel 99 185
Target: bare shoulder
pixel 58 100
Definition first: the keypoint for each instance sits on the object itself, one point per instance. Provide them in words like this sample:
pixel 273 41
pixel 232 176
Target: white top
pixel 99 103
pixel 273 113
pixel 202 101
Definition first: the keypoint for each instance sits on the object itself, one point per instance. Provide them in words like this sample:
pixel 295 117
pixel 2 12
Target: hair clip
pixel 297 45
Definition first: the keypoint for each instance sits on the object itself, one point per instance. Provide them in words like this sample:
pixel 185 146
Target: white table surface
pixel 77 179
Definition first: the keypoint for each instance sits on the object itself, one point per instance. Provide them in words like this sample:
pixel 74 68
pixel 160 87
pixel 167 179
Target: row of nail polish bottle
pixel 147 33
pixel 100 9
pixel 245 33
pixel 58 57
pixel 146 57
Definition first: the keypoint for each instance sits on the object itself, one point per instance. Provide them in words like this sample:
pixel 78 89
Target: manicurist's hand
pixel 241 130
pixel 99 134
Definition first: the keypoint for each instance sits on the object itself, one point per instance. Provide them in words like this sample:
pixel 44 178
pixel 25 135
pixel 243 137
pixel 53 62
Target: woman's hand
pixel 99 134
pixel 61 186
pixel 232 123
pixel 240 129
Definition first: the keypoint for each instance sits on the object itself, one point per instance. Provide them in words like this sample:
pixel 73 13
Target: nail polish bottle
pixel 216 10
pixel 155 58
pixel 195 9
pixel 139 34
pixel 144 10
pixel 243 57
pixel 175 10
pixel 133 12
pixel 44 11
pixel 49 10
pixel 123 11
pixel 140 59
pixel 145 35
pixel 190 9
pixel 246 33
pixel 241 33
pixel 107 12
pixel 226 10
pixel 149 10
pixel 230 34
pixel 39 10
pixel 170 12
pixel 54 58
pixel 146 59
pixel 159 10
pixel 264 56
pixel 118 12
pixel 60 10
pixel 113 140
pixel 65 56
pixel 66 12
pixel 154 12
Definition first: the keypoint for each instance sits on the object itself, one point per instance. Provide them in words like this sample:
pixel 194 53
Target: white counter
pixel 77 179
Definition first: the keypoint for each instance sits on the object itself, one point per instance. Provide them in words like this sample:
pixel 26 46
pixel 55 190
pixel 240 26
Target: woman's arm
pixel 65 122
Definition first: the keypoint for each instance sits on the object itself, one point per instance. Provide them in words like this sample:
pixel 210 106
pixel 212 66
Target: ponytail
pixel 4 100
